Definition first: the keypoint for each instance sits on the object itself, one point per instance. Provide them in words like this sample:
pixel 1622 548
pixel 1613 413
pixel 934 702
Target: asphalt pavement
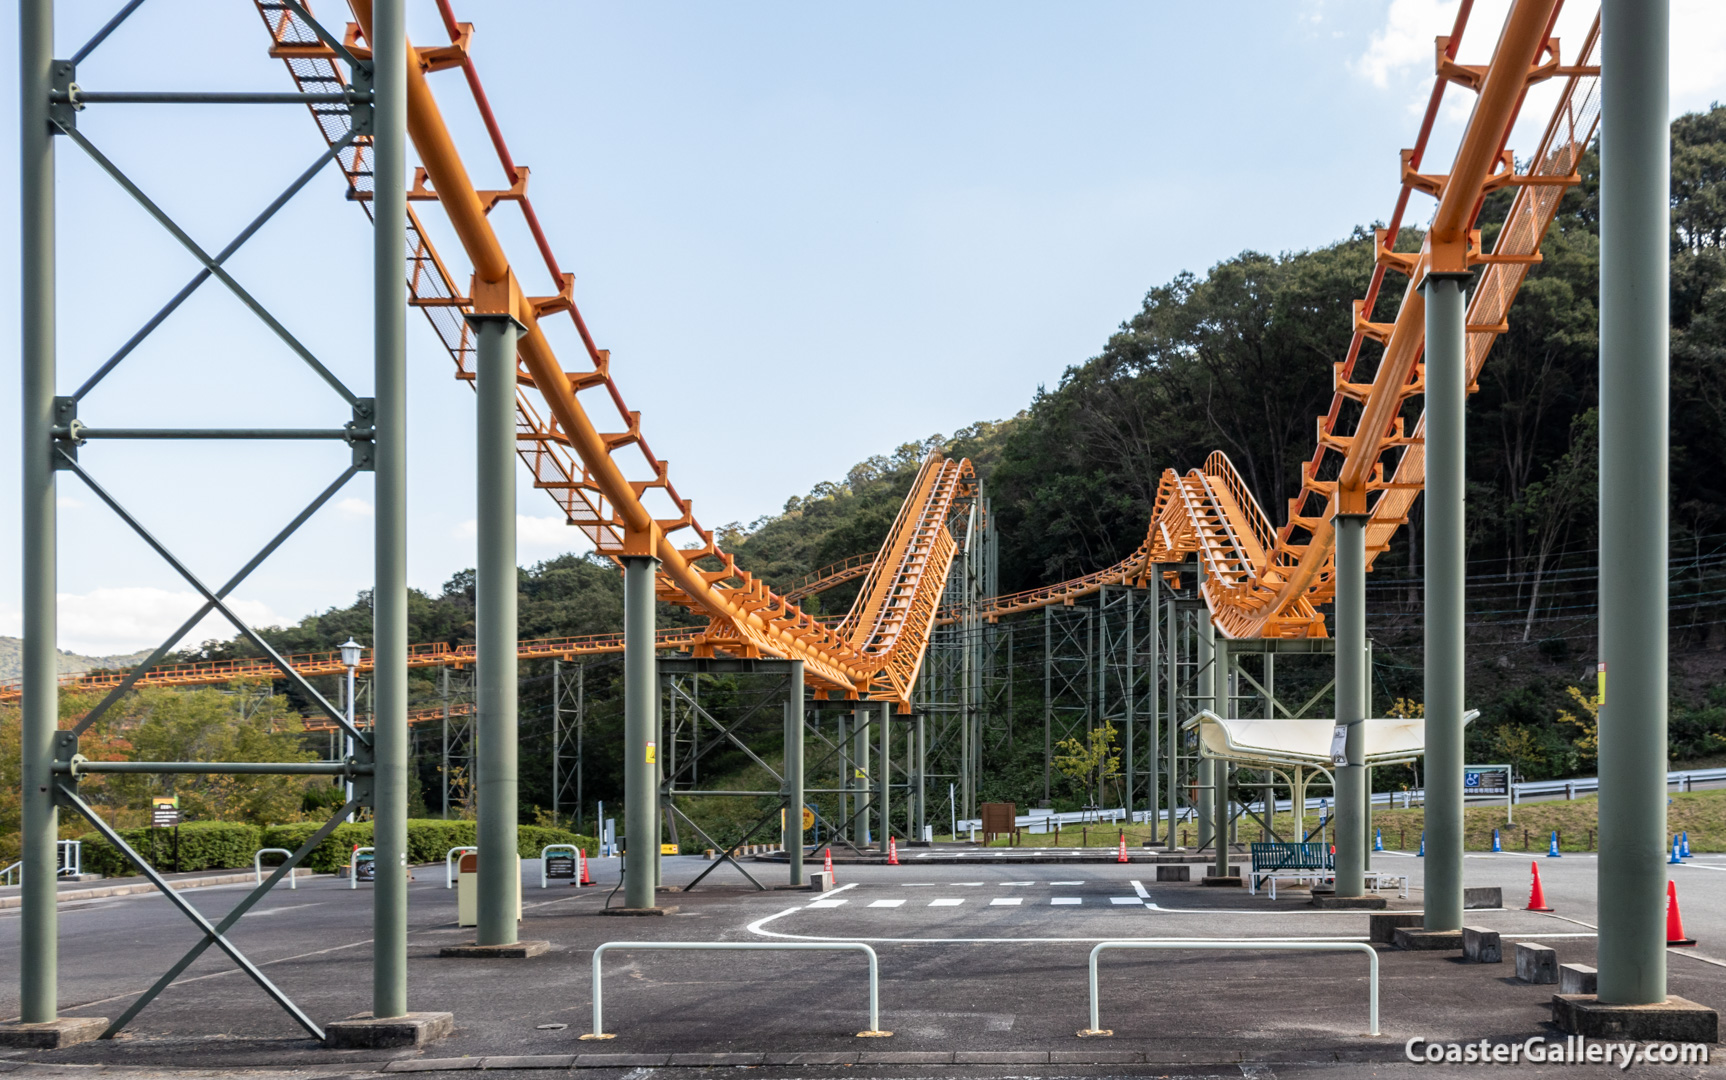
pixel 982 972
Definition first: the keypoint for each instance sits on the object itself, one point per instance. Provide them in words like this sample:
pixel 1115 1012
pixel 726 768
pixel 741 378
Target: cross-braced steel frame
pixel 371 114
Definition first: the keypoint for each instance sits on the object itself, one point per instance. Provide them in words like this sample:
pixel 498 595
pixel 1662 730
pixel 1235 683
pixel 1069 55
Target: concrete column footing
pixel 363 1032
pixel 663 909
pixel 54 1034
pixel 1674 1020
pixel 1226 881
pixel 514 950
pixel 1427 940
pixel 1349 903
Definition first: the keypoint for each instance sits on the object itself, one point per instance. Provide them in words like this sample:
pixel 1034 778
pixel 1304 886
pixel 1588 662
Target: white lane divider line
pixel 945 903
pixel 885 903
pixel 1140 889
pixel 1066 899
pixel 1006 901
pixel 968 884
pixel 1017 883
pixel 1133 900
pixel 827 903
pixel 1066 883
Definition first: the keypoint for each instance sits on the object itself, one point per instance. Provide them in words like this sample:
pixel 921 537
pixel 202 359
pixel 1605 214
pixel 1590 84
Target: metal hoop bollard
pixel 745 946
pixel 353 866
pixel 258 864
pixel 449 864
pixel 1169 944
pixel 545 882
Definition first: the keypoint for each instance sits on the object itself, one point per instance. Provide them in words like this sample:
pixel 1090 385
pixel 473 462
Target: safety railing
pixel 13 875
pixel 874 1031
pixel 1245 945
pixel 69 860
pixel 258 864
pixel 449 860
pixel 544 879
pixel 354 866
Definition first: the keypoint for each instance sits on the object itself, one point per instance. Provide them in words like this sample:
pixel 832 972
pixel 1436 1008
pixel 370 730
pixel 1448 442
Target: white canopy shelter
pixel 1260 743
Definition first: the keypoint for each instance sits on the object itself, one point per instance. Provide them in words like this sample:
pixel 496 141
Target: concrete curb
pixel 69 895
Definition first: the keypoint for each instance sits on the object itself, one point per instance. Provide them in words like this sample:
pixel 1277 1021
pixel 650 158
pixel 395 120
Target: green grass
pixel 1703 813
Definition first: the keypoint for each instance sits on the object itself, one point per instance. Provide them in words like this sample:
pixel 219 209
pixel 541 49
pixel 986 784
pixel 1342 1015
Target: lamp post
pixel 350 660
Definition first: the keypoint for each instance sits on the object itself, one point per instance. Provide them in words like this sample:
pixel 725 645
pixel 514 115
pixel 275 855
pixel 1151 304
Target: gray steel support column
pixel 1222 704
pixel 885 781
pixel 495 589
pixel 1351 702
pixel 845 777
pixel 1172 728
pixel 1444 512
pixel 1635 174
pixel 860 765
pixel 390 515
pixel 1153 668
pixel 1130 750
pixel 794 773
pixel 640 715
pixel 922 794
pixel 1207 673
pixel 39 930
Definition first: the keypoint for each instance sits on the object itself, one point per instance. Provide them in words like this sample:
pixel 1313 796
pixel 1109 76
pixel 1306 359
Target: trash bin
pixel 467 891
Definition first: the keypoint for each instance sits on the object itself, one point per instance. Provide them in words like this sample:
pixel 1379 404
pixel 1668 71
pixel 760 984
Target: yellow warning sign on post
pixel 650 753
pixel 668 849
pixel 808 819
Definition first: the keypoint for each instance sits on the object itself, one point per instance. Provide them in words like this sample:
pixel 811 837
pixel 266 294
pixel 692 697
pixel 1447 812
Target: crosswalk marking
pixel 1135 901
pixel 1006 901
pixel 945 903
pixel 1066 900
pixel 827 903
pixel 886 903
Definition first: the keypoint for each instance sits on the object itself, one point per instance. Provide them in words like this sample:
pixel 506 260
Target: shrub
pixel 204 845
pixel 429 840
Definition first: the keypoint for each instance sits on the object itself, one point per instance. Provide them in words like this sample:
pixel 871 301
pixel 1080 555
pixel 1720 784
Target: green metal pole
pixel 1351 702
pixel 1153 666
pixel 884 781
pixel 922 758
pixel 495 589
pixel 640 774
pixel 39 930
pixel 794 773
pixel 1206 689
pixel 860 733
pixel 1635 177
pixel 1220 704
pixel 1172 729
pixel 390 589
pixel 1446 395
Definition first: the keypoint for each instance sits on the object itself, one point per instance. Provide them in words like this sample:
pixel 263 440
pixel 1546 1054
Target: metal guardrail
pixel 1171 944
pixel 449 864
pixel 69 859
pixel 258 864
pixel 13 875
pixel 874 1031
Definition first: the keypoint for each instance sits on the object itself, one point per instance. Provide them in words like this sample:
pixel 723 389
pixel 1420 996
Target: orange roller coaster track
pixel 1257 581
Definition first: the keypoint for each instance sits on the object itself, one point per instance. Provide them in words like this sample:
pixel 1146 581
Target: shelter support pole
pixel 1153 661
pixel 390 588
pixel 39 929
pixel 794 772
pixel 860 736
pixel 1635 174
pixel 640 717
pixel 845 827
pixel 922 737
pixel 1173 728
pixel 1206 691
pixel 1221 701
pixel 1351 703
pixel 1446 395
pixel 495 588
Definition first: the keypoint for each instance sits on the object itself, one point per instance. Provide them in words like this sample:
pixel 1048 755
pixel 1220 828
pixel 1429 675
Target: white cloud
pixel 1698 44
pixel 352 507
pixel 67 502
pixel 546 535
pixel 124 620
pixel 1405 40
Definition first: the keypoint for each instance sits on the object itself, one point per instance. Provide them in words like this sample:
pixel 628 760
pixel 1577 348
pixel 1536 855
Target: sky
pixel 807 234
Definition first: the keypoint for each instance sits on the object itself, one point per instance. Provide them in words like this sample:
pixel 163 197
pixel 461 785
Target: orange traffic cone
pixel 1122 857
pixel 1674 922
pixel 892 852
pixel 1536 895
pixel 827 865
pixel 581 861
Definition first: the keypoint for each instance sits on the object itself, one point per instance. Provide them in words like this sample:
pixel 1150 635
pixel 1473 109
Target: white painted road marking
pixel 945 903
pixel 1133 900
pixel 1140 889
pixel 1066 883
pixel 1066 900
pixel 1006 901
pixel 886 903
pixel 826 903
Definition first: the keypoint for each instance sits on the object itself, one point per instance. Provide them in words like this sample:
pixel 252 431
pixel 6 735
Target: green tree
pixel 1090 764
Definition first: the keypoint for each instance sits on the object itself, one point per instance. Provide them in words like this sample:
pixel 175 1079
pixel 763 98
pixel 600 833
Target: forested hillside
pixel 1239 358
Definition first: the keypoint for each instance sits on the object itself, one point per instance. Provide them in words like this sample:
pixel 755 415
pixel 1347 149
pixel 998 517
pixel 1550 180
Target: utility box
pixel 467 891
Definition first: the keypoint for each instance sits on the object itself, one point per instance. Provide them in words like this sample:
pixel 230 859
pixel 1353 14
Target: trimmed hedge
pixel 429 840
pixel 204 845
